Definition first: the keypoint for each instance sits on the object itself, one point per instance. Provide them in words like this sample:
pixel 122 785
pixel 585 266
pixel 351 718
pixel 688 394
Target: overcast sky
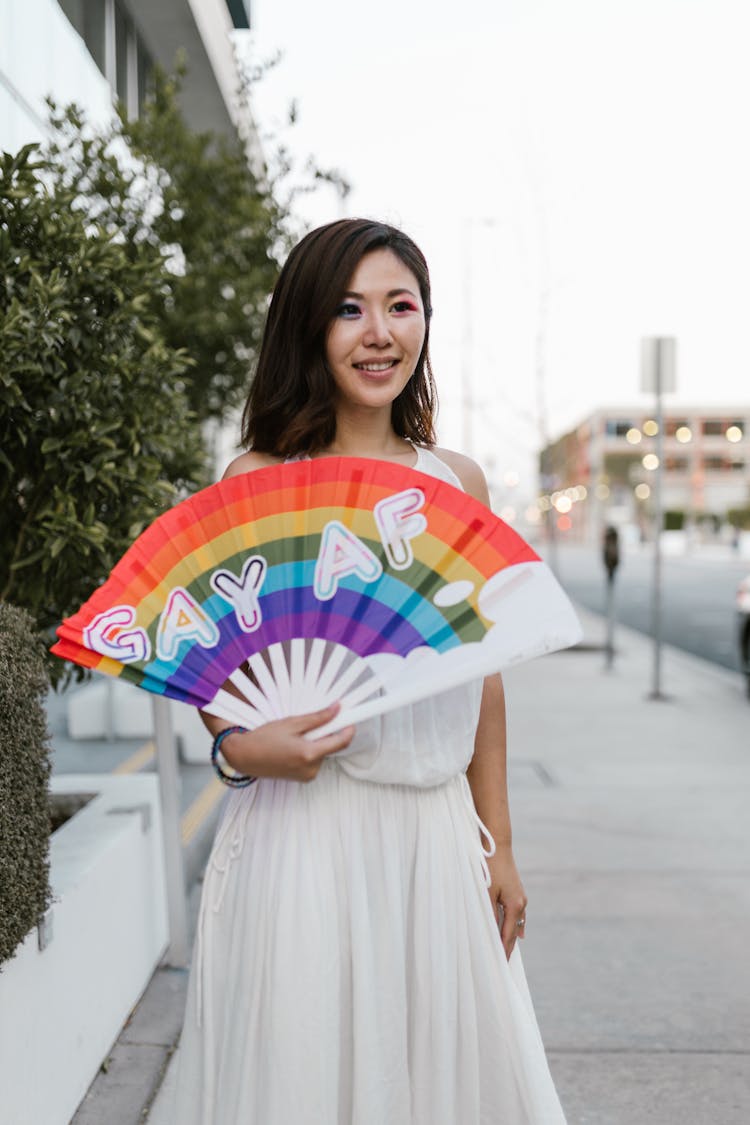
pixel 592 155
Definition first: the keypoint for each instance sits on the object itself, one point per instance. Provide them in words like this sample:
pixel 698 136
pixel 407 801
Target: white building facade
pixel 91 51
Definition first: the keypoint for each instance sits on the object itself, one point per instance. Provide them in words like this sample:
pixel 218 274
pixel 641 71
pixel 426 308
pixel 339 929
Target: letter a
pixel 341 554
pixel 399 521
pixel 108 634
pixel 182 619
pixel 242 592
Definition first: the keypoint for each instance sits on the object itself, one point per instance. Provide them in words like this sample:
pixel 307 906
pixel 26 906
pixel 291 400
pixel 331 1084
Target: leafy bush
pixel 214 219
pixel 96 434
pixel 24 776
pixel 674 520
pixel 739 518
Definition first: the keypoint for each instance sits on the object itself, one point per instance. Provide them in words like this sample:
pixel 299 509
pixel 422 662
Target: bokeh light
pixel 633 435
pixel 734 433
pixel 564 523
pixel 650 428
pixel 650 462
pixel 683 434
pixel 642 491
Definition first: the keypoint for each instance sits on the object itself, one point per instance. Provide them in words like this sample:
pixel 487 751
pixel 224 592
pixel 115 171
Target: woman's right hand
pixel 280 748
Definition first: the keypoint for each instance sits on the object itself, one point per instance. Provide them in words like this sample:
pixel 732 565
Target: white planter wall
pixel 111 708
pixel 61 1009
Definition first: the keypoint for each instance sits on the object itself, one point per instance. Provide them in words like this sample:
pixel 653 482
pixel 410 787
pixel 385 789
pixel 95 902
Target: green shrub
pixel 24 777
pixel 739 518
pixel 96 435
pixel 674 520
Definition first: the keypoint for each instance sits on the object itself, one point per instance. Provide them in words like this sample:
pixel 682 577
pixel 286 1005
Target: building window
pixel 723 464
pixel 114 44
pixel 123 30
pixel 676 464
pixel 717 427
pixel 91 23
pixel 617 427
pixel 145 73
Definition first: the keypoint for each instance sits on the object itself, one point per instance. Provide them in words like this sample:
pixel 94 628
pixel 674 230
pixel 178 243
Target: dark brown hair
pixel 290 408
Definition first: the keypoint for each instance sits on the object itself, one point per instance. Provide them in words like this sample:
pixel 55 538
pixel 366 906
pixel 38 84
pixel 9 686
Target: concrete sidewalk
pixel 630 824
pixel 631 833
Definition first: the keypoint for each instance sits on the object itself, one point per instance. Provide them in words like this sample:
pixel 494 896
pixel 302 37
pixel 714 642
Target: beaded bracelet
pixel 235 780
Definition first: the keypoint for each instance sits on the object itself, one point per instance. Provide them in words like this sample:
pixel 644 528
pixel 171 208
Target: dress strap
pixel 485 836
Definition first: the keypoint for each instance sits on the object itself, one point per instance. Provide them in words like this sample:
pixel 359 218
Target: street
pixel 698 595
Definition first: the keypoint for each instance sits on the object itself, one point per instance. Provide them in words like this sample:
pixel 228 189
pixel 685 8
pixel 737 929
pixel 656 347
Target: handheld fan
pixel 282 590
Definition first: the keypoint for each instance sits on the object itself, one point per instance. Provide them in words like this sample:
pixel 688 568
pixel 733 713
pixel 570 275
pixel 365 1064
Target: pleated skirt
pixel 348 968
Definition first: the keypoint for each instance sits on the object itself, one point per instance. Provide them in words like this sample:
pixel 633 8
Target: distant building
pixel 86 51
pixel 611 455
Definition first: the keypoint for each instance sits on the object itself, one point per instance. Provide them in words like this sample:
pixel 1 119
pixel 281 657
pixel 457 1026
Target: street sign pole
pixel 656 612
pixel 658 366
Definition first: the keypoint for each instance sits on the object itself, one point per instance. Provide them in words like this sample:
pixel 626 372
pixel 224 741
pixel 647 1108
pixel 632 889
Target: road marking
pixel 200 809
pixel 137 760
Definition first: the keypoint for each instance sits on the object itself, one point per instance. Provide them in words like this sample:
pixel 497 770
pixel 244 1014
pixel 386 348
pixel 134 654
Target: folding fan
pixel 336 579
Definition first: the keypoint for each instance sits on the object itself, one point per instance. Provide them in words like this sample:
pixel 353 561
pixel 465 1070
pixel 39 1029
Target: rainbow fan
pixel 279 591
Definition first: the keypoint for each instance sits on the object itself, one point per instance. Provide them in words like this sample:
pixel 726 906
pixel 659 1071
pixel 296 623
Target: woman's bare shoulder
pixel 468 472
pixel 247 462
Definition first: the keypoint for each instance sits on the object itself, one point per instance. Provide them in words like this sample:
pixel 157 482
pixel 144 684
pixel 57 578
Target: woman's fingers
pixel 301 724
pixel 330 743
pixel 513 926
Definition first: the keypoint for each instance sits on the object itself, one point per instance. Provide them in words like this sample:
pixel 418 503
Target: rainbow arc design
pixel 300 583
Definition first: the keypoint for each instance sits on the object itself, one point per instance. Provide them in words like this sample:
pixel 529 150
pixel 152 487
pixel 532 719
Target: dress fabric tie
pixel 484 832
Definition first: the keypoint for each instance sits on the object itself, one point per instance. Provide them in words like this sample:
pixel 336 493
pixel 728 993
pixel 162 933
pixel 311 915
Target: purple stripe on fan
pixel 335 621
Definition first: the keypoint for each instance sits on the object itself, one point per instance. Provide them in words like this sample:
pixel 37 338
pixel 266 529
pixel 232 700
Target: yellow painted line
pixel 203 804
pixel 137 760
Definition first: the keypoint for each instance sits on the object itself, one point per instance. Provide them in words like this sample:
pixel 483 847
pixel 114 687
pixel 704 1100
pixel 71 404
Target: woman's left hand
pixel 507 896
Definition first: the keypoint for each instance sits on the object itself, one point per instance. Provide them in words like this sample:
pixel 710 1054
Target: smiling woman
pixel 357 959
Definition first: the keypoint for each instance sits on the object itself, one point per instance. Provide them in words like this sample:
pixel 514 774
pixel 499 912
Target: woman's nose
pixel 377 333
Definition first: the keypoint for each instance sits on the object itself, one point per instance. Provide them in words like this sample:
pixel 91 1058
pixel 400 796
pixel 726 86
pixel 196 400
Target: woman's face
pixel 376 337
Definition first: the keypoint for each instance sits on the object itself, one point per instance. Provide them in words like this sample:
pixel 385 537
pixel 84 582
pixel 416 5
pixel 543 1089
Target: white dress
pixel 348 968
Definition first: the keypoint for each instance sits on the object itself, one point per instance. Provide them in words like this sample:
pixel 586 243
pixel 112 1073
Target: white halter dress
pixel 348 968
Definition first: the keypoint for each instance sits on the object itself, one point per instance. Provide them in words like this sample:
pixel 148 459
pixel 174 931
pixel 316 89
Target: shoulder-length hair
pixel 290 408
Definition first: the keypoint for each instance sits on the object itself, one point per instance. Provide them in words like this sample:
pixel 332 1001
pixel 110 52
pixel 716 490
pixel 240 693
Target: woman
pixel 350 966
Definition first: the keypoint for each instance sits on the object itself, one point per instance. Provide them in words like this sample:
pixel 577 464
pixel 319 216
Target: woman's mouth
pixel 377 368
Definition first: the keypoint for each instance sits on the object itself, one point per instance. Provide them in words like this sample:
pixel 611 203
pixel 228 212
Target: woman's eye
pixel 348 309
pixel 404 306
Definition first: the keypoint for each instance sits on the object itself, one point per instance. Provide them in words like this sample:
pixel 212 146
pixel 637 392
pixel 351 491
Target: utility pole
pixel 658 374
